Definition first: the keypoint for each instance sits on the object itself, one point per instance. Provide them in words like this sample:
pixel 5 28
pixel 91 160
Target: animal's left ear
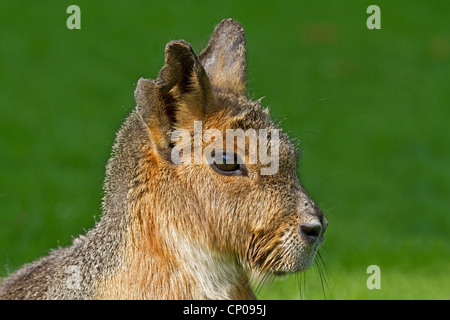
pixel 224 58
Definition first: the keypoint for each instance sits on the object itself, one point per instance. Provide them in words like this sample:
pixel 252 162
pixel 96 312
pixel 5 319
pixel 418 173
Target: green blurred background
pixel 370 108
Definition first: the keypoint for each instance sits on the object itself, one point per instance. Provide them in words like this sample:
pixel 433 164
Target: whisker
pixel 328 212
pixel 291 114
pixel 321 278
pixel 301 283
pixel 327 271
pixel 261 283
pixel 323 274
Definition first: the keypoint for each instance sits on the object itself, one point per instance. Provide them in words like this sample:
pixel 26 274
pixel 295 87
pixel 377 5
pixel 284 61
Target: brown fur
pixel 183 231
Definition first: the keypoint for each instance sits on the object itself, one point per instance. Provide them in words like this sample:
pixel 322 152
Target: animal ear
pixel 181 92
pixel 224 58
pixel 182 73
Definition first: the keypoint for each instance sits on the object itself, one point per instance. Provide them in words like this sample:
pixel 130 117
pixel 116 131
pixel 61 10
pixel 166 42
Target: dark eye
pixel 230 164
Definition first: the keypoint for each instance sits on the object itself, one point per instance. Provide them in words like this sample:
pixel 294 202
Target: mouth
pixel 290 260
pixel 280 274
pixel 291 253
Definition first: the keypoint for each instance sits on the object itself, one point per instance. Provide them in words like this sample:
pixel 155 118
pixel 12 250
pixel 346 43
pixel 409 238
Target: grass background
pixel 370 107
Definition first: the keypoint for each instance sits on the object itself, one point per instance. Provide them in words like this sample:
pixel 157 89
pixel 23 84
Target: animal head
pixel 227 200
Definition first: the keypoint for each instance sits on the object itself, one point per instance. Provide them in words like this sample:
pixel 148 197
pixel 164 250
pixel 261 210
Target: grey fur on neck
pixel 74 272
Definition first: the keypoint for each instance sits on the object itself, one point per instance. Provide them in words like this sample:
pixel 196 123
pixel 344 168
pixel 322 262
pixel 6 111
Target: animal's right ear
pixel 224 58
pixel 182 93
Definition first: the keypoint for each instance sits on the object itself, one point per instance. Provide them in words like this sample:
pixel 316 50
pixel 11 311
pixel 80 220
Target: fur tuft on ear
pixel 180 64
pixel 224 59
pixel 182 91
pixel 184 78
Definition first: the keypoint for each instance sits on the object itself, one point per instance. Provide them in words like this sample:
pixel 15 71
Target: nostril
pixel 310 231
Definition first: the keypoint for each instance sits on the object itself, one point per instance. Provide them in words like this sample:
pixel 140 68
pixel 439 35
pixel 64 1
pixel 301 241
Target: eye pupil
pixel 230 164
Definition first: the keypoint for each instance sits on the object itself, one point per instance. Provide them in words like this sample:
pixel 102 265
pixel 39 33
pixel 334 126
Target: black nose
pixel 310 231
